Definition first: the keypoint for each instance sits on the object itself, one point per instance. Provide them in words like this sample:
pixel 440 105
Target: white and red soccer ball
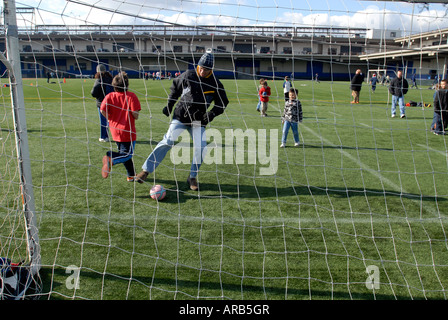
pixel 157 192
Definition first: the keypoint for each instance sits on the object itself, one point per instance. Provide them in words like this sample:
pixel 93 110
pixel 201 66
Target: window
pixel 307 51
pixel 200 49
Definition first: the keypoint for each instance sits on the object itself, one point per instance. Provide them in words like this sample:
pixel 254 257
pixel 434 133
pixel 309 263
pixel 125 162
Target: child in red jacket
pixel 264 94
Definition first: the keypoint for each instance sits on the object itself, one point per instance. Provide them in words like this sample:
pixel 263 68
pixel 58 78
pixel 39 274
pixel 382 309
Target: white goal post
pixel 13 64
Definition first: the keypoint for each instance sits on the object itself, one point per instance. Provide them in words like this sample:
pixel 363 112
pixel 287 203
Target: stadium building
pixel 240 51
pixel 423 54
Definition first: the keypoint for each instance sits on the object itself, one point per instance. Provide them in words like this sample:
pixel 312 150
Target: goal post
pixel 13 65
pixel 380 73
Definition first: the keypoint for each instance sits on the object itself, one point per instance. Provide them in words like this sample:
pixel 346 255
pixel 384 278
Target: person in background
pixel 286 86
pixel 356 85
pixel 292 115
pixel 102 87
pixel 373 82
pixel 264 94
pixel 398 88
pixel 440 118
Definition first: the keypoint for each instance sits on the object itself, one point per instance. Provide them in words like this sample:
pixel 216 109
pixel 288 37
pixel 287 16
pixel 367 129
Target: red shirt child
pixel 120 108
pixel 265 92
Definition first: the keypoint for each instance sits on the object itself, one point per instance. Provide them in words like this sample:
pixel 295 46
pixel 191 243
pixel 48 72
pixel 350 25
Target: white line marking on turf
pixel 264 221
pixel 433 150
pixel 367 126
pixel 336 114
pixel 382 178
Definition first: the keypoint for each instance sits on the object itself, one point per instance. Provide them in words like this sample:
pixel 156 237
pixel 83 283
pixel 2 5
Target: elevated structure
pixel 241 51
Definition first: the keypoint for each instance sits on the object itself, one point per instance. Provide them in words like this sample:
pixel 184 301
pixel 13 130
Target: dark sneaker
pixel 193 183
pixel 106 167
pixel 141 176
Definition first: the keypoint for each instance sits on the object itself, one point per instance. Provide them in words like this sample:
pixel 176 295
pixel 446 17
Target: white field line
pixel 367 126
pixel 433 150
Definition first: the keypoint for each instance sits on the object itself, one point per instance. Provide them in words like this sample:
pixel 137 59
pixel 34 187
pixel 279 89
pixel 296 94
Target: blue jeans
pixel 295 131
pixel 439 122
pixel 104 126
pixel 400 101
pixel 174 131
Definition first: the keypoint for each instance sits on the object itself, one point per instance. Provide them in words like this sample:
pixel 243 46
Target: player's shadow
pixel 323 146
pixel 117 279
pixel 179 192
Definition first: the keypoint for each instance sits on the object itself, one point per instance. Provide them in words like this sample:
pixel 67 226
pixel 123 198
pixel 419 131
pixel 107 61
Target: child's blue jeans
pixel 295 130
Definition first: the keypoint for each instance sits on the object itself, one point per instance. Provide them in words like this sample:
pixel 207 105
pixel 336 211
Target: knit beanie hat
pixel 206 61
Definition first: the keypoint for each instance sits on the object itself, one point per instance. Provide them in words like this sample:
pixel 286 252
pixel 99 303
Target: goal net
pixel 352 206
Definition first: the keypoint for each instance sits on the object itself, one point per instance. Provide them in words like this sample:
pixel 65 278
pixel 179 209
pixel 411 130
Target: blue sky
pixel 389 15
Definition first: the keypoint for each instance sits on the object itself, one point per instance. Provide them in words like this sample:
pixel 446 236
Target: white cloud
pixel 375 18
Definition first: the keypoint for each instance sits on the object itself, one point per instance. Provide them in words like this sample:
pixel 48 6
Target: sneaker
pixel 296 144
pixel 282 145
pixel 393 116
pixel 141 177
pixel 106 167
pixel 402 116
pixel 131 179
pixel 103 140
pixel 193 183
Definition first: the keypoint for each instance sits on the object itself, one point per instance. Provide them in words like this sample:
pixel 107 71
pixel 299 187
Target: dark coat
pixel 398 87
pixel 441 101
pixel 101 88
pixel 195 95
pixel 356 83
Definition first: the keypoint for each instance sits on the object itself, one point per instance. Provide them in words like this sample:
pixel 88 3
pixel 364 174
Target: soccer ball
pixel 157 192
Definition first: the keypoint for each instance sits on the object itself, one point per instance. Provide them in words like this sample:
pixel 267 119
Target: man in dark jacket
pixel 440 119
pixel 195 89
pixel 356 85
pixel 398 88
pixel 102 87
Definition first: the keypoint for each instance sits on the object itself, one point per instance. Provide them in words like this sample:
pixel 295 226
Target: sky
pixel 390 15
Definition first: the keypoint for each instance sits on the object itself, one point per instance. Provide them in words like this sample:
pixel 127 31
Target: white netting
pixel 356 211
